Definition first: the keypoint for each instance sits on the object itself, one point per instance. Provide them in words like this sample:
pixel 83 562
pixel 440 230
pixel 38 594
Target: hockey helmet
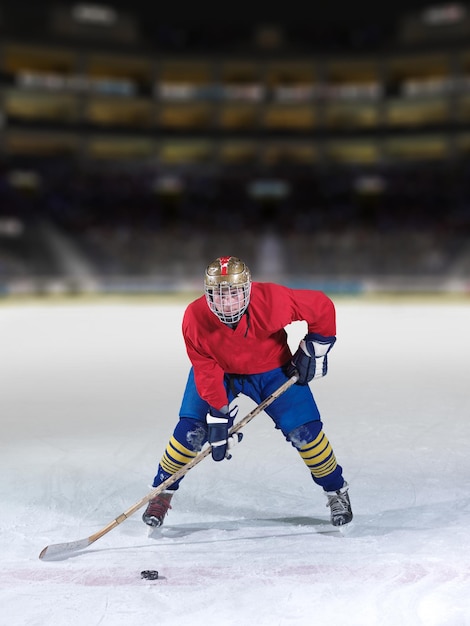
pixel 227 285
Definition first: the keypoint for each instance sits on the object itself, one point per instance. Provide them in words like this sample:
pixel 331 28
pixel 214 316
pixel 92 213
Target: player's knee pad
pixel 190 433
pixel 302 435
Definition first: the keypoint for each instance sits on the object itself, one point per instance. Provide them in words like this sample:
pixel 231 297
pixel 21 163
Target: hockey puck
pixel 149 574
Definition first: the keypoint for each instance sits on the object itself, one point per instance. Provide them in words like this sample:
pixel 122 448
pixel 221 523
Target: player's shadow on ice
pixel 272 527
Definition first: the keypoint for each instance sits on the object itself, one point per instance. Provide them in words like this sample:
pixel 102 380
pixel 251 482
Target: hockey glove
pixel 311 360
pixel 219 424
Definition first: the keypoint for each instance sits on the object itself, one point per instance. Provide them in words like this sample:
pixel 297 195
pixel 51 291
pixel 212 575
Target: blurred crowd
pixel 401 220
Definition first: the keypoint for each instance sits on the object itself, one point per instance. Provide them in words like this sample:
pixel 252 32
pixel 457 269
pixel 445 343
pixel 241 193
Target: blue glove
pixel 219 423
pixel 311 360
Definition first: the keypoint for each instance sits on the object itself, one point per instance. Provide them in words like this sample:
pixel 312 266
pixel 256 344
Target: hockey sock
pixel 315 449
pixel 187 440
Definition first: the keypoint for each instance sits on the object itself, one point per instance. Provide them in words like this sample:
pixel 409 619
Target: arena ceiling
pixel 295 13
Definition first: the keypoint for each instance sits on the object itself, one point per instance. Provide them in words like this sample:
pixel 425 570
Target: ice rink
pixel 89 396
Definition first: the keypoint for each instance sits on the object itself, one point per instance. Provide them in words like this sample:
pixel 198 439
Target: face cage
pixel 238 308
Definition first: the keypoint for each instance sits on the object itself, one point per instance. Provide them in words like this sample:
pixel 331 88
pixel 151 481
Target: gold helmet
pixel 227 285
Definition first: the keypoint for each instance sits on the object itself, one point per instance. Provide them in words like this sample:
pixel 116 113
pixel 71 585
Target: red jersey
pixel 258 343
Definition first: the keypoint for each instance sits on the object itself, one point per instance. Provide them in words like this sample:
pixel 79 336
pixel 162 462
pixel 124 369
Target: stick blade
pixel 63 550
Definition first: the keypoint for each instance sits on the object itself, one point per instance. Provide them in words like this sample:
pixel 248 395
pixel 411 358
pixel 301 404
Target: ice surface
pixel 89 396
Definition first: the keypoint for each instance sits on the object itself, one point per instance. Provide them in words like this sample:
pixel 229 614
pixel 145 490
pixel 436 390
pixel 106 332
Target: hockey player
pixel 237 343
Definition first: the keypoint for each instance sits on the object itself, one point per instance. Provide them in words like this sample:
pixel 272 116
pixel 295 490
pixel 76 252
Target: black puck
pixel 149 574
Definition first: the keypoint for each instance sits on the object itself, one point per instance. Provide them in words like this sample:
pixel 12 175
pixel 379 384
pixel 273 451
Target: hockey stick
pixel 65 549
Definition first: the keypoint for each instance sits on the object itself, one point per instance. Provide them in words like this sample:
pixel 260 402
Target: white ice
pixel 89 395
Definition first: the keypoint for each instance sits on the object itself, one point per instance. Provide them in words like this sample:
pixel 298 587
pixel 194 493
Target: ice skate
pixel 340 506
pixel 157 509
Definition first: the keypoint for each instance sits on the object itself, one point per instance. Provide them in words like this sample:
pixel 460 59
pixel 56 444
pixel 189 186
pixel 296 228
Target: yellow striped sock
pixel 176 456
pixel 318 456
